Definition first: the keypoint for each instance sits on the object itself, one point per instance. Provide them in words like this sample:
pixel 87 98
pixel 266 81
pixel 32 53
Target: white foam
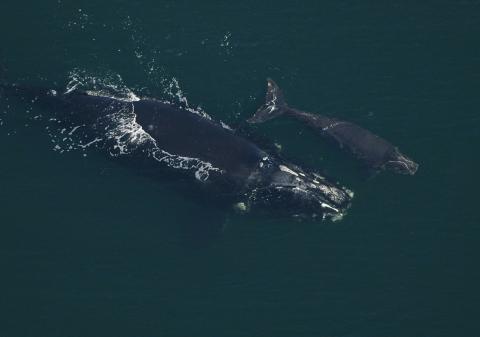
pixel 110 85
pixel 226 43
pixel 225 126
pixel 119 130
pixel 175 93
pixel 202 168
pixel 130 96
pixel 128 136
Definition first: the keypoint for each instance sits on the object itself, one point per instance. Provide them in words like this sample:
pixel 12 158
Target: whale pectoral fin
pixel 274 104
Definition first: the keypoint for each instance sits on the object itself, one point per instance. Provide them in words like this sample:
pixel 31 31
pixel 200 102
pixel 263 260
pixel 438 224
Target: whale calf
pixel 374 151
pixel 172 139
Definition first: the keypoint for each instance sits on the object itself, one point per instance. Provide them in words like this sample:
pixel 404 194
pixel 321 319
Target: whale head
pixel 399 163
pixel 293 191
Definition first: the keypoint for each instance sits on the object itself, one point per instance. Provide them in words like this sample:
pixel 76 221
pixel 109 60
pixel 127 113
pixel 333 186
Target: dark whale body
pixel 191 135
pixel 172 138
pixel 374 151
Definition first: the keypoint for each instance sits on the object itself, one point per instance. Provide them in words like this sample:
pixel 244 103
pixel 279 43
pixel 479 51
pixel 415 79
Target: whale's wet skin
pixel 375 152
pixel 181 141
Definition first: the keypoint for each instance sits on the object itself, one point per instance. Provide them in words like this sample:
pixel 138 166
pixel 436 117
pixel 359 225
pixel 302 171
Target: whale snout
pixel 399 163
pixel 305 194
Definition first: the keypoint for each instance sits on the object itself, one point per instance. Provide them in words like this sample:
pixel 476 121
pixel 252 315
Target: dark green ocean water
pixel 91 248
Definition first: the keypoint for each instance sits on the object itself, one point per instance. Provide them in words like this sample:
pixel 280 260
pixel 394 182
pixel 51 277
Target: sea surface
pixel 92 248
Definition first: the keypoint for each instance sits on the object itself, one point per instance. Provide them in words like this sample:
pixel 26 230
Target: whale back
pixel 185 133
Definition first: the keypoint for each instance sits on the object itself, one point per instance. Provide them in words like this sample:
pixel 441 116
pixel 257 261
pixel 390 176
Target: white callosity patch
pixel 265 162
pixel 324 205
pixel 286 169
pixel 350 193
pixel 306 185
pixel 333 193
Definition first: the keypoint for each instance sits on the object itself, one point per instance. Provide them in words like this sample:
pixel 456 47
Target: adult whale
pixel 171 138
pixel 376 152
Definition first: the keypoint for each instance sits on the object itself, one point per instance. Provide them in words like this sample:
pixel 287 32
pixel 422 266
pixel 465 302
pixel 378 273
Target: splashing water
pixel 111 85
pixel 117 132
pixel 128 137
pixel 123 135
